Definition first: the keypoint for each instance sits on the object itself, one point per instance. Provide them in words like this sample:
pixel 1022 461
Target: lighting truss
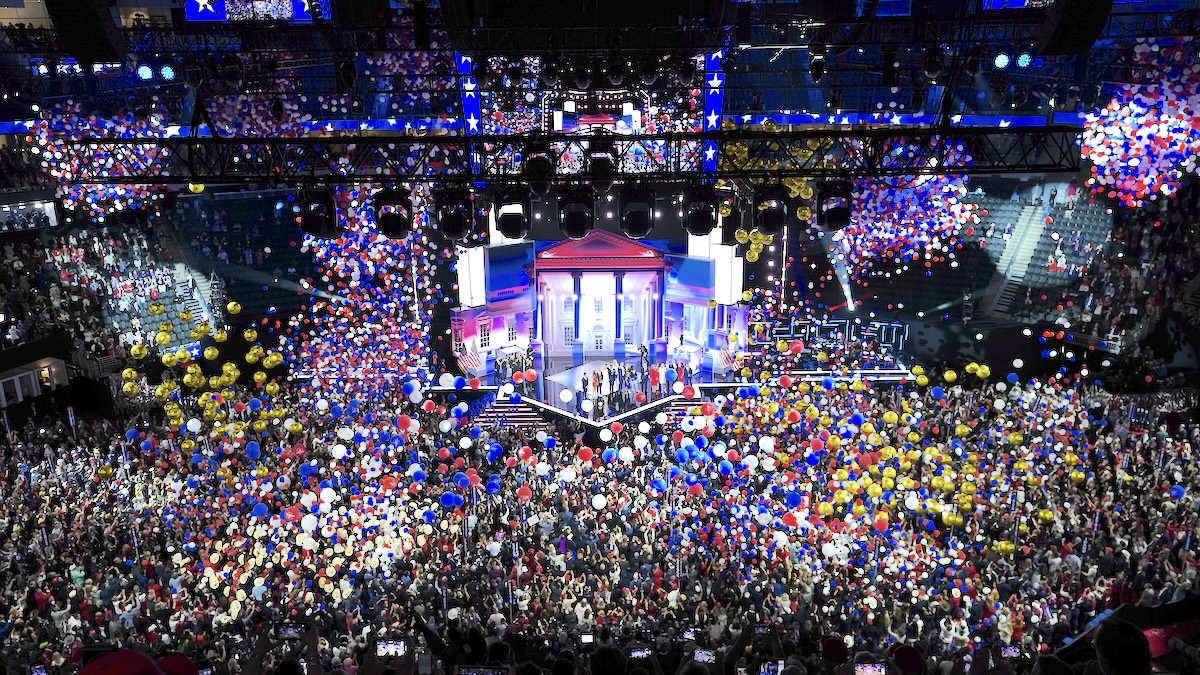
pixel 741 154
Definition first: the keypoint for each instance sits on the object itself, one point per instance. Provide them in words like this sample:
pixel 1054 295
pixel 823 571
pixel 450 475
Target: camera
pixel 1010 652
pixel 639 652
pixel 762 629
pixel 587 639
pixel 705 656
pixel 689 633
pixel 771 668
pixel 870 669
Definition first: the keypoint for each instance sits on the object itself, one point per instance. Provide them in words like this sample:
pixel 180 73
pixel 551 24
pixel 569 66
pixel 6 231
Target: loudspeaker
pixel 1072 26
pixel 87 29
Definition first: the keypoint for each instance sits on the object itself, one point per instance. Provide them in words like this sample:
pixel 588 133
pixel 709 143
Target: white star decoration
pixel 715 81
pixel 472 123
pixel 205 6
pixel 712 120
pixel 710 154
pixel 469 86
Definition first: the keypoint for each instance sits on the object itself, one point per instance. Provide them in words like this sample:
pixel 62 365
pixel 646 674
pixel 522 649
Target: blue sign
pixel 205 10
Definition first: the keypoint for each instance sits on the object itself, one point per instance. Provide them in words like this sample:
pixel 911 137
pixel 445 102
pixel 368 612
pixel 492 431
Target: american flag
pixel 470 362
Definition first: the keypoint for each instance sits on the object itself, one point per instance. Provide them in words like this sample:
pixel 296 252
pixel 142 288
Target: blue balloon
pixel 658 485
pixel 857 419
pixel 252 452
pixel 460 382
pixel 827 383
pixel 197 458
pixel 252 446
pixel 609 455
pixel 418 476
pixel 462 481
pixel 938 393
pixel 671 375
pixel 260 510
pixel 812 458
pixel 493 487
pixel 1012 378
pixel 793 499
pixel 408 388
pixel 725 467
pixel 254 404
pixel 681 456
pixel 429 516
pixel 447 500
pixel 550 443
pixel 132 434
pixel 147 445
pixel 1178 492
pixel 475 432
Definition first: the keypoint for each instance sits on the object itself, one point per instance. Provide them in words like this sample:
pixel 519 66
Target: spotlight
pixel 1020 96
pixel 551 72
pixel 614 71
pixel 393 212
pixel 686 72
pixel 601 164
pixel 833 204
pixel 771 204
pixel 455 218
pixel 511 208
pixel 346 77
pixel 700 210
pixel 581 74
pixel 933 62
pixel 1001 61
pixel 167 72
pixel 231 69
pixel 516 75
pixel 647 72
pixel 576 207
pixel 816 63
pixel 540 162
pixel 145 72
pixel 1024 60
pixel 637 211
pixel 318 213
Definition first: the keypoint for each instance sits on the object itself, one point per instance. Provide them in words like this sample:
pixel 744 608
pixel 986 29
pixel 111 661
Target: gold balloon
pixel 725 210
pixel 130 389
pixel 250 335
pixel 129 374
pixel 950 376
pixel 105 472
pixel 169 360
pixel 157 308
pixel 234 307
pixel 741 236
pixel 138 351
pixel 166 327
pixel 752 256
pixel 162 338
pixel 272 388
pixel 220 336
pixel 195 188
pixel 806 192
pixel 211 353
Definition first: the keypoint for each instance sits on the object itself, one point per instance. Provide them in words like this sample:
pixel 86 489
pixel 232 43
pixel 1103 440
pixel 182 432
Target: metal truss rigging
pixel 770 33
pixel 754 155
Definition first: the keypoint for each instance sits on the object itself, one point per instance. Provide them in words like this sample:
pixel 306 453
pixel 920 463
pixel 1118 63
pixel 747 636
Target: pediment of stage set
pixel 600 250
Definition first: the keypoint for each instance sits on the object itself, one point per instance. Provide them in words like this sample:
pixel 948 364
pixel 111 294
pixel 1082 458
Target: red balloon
pixel 427 406
pixel 789 519
pixel 403 422
pixel 617 427
pixel 531 375
pixel 519 377
pixel 387 483
pixel 639 397
pixel 677 436
pixel 793 416
pixel 689 392
pixel 524 493
pixel 881 524
pixel 796 346
pixel 585 454
pixel 708 409
pixel 785 380
pixel 474 383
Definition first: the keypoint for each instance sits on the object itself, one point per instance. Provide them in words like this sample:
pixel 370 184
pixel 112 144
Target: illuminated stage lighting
pixel 576 211
pixel 1024 60
pixel 637 211
pixel 512 207
pixel 700 210
pixel 393 212
pixel 1001 61
pixel 833 204
pixel 771 206
pixel 167 72
pixel 145 72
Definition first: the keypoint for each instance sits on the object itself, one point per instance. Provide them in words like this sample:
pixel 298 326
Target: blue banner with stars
pixel 714 103
pixel 472 119
pixel 205 10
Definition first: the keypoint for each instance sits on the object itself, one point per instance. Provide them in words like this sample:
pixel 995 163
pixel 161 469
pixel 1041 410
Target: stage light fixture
pixel 833 204
pixel 581 74
pixel 647 72
pixel 1024 60
pixel 601 164
pixel 551 72
pixel 318 213
pixel 771 205
pixel 454 213
pixel 576 209
pixel 933 62
pixel 167 72
pixel 615 70
pixel 700 210
pixel 512 207
pixel 516 75
pixel 637 211
pixel 1001 61
pixel 231 69
pixel 540 162
pixel 686 72
pixel 1020 96
pixel 145 72
pixel 393 212
pixel 816 63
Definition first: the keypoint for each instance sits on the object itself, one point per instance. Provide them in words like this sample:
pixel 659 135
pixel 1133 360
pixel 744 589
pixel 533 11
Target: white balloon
pixel 606 435
pixel 345 433
pixel 998 404
pixel 643 427
pixel 567 475
pixel 444 426
pixel 415 397
pixel 322 405
pixel 661 418
pixel 677 387
pixel 625 454
pixel 446 380
pixel 1018 363
pixel 586 405
pixel 640 442
pixel 542 469
pixel 309 522
pixel 751 461
pixel 194 425
pixel 599 502
pixel 912 502
pixel 687 424
pixel 340 451
pixel 767 443
pixel 328 495
pixel 464 442
pixel 541 437
pixel 506 389
pixel 566 395
pixel 494 548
